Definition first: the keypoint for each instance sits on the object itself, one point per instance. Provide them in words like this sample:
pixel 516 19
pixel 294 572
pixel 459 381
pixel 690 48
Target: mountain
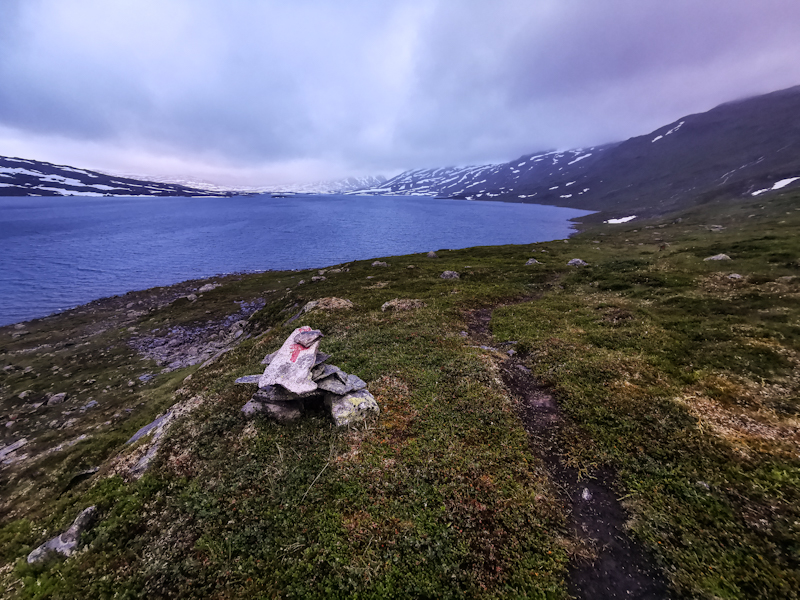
pixel 738 148
pixel 21 177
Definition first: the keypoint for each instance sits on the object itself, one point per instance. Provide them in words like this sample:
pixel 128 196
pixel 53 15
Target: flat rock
pixel 400 304
pixel 276 393
pixel 67 542
pixel 450 275
pixel 306 338
pixel 249 379
pixel 6 450
pixel 351 408
pixel 291 366
pixel 323 371
pixel 717 257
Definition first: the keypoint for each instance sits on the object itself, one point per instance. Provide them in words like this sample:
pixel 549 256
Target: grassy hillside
pixel 676 387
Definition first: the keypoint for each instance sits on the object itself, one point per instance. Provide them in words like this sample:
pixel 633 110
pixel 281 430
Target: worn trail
pixel 615 566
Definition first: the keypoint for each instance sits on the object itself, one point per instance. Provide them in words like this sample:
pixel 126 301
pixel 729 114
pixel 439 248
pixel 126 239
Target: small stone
pixel 301 282
pixel 734 276
pixel 586 494
pixel 56 399
pixel 88 405
pixel 191 297
pixel 6 450
pixel 208 287
pixel 411 266
pixel 577 262
pixel 432 254
pixel 351 408
pixel 318 278
pixel 532 261
pixel 380 263
pixel 717 257
pixel 25 394
pixel 449 275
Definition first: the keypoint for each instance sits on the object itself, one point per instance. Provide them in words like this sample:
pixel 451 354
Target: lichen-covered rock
pixel 67 542
pixel 399 304
pixel 351 408
pixel 450 275
pixel 328 304
pixel 281 412
pixel 717 257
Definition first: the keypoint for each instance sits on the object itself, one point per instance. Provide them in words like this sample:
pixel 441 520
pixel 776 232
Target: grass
pixel 680 378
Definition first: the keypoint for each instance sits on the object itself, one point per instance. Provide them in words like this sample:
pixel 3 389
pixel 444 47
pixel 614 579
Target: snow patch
pixel 622 220
pixel 580 158
pixel 777 186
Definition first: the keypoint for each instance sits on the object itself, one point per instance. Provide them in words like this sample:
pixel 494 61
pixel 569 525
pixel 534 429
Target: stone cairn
pixel 297 373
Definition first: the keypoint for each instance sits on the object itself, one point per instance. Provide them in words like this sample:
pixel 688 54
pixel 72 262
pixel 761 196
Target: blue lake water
pixel 61 252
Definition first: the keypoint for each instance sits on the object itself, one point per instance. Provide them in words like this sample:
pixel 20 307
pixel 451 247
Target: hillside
pixel 22 177
pixel 625 428
pixel 735 149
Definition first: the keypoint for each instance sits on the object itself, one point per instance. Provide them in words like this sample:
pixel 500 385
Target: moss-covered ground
pixel 679 377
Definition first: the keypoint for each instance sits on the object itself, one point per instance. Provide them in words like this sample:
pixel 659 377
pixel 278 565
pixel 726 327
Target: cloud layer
pixel 251 92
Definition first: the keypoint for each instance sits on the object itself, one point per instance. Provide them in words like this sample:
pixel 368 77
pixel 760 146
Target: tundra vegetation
pixel 680 376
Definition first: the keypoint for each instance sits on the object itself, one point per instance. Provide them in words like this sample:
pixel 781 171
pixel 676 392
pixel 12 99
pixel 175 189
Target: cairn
pixel 299 373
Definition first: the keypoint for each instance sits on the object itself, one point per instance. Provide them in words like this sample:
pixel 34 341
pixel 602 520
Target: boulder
pixel 577 262
pixel 380 263
pixel 351 408
pixel 532 261
pixel 67 542
pixel 432 254
pixel 450 275
pixel 292 364
pixel 399 304
pixel 318 278
pixel 717 257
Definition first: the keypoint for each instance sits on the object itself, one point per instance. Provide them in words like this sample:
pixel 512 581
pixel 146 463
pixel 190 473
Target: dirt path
pixel 618 567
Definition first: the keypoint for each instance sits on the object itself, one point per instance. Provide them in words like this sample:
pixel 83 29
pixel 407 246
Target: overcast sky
pixel 257 92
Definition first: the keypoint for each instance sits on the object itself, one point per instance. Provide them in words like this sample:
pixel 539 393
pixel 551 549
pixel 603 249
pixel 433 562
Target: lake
pixel 64 251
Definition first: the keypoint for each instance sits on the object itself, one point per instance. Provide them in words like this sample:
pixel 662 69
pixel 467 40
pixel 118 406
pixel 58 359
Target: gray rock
pixel 268 358
pixel 67 542
pixel 355 383
pixel 432 254
pixel 276 393
pixel 323 371
pixel 6 450
pixel 318 278
pixel 208 287
pixel 380 263
pixel 333 385
pixel 577 262
pixel 450 275
pixel 717 257
pixel 291 366
pixel 351 408
pixel 734 276
pixel 56 399
pixel 249 379
pixel 151 427
pixel 306 338
pixel 191 297
pixel 586 494
pixel 532 261
pixel 282 412
pixel 88 405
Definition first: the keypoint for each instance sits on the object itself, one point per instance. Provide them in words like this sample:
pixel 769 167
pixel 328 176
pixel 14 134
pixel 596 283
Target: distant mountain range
pixel 744 147
pixel 739 148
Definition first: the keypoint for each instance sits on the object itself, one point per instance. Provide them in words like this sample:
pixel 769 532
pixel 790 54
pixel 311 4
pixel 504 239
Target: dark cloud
pixel 252 90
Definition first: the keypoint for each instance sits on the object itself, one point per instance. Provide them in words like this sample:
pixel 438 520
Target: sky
pixel 262 92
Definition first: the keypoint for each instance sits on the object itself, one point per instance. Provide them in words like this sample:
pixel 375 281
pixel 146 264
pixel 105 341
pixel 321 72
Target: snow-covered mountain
pixel 22 177
pixel 739 148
